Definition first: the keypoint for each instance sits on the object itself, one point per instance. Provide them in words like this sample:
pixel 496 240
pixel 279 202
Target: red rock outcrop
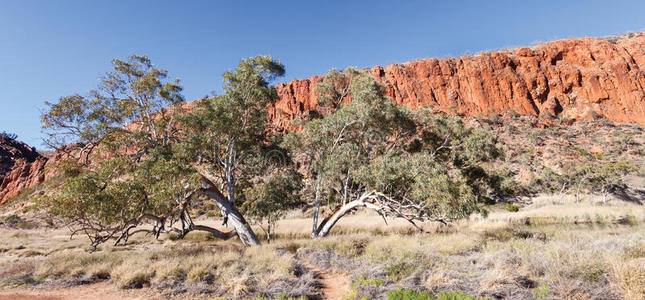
pixel 575 78
pixel 20 167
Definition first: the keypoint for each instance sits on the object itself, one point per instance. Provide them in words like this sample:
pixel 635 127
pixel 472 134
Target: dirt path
pixel 334 286
pixel 97 291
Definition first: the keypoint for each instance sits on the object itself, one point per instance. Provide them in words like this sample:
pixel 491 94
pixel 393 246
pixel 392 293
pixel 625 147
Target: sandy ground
pixel 334 286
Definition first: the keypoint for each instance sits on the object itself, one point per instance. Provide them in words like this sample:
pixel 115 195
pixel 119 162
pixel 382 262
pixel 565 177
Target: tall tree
pixel 139 160
pixel 379 155
pixel 129 124
pixel 227 135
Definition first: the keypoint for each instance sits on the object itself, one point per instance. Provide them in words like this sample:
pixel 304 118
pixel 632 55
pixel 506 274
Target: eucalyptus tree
pixel 135 156
pixel 129 125
pixel 344 134
pixel 227 136
pixel 268 197
pixel 599 176
pixel 377 154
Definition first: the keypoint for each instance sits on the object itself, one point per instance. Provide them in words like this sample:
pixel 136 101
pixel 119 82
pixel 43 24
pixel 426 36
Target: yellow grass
pixel 604 253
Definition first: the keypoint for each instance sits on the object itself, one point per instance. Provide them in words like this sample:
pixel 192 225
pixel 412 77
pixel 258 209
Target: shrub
pixel 400 270
pixel 455 296
pixel 362 282
pixel 512 207
pixel 629 278
pixel 542 291
pixel 487 200
pixel 408 294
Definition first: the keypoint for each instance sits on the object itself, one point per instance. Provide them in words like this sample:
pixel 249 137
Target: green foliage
pixel 363 282
pixel 131 94
pixel 129 123
pixel 228 133
pixel 511 207
pixel 399 270
pixel 150 152
pixel 607 176
pixel 409 294
pixel 582 152
pixel 542 291
pixel 372 143
pixel 267 199
pixel 455 296
pixel 487 200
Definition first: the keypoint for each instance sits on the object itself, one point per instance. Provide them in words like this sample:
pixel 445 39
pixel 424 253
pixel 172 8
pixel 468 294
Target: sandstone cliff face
pixel 576 78
pixel 20 167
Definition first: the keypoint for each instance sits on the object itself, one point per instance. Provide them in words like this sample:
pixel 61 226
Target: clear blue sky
pixel 50 49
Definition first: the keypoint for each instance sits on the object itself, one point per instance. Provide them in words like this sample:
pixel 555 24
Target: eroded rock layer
pixel 575 78
pixel 20 167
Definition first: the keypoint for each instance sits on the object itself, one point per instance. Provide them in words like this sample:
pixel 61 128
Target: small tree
pixel 605 177
pixel 267 199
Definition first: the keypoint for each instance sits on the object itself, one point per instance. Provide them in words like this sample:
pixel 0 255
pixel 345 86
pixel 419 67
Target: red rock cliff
pixel 20 167
pixel 575 78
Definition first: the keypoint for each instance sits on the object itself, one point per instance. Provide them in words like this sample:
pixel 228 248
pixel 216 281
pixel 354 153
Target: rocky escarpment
pixel 575 78
pixel 20 167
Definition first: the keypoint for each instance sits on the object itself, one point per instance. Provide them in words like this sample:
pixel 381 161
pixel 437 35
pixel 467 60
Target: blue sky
pixel 50 49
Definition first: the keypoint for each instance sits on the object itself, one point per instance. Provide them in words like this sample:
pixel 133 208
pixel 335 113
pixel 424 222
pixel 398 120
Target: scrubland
pixel 552 248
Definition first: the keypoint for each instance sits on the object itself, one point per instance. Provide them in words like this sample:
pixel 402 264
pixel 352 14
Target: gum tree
pixel 379 155
pixel 226 136
pixel 133 159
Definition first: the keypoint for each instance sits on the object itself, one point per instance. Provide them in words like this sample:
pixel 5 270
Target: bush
pixel 629 277
pixel 362 282
pixel 512 207
pixel 408 294
pixel 455 296
pixel 400 270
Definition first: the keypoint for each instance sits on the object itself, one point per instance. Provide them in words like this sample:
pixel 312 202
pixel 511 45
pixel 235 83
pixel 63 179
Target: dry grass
pixel 629 277
pixel 567 250
pixel 173 267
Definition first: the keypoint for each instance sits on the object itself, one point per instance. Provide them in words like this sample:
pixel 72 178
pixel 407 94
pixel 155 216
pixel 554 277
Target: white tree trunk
pixel 243 229
pixel 314 229
pixel 339 212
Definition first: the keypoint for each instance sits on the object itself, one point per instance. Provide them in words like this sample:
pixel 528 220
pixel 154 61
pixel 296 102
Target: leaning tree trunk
pixel 243 229
pixel 383 205
pixel 339 212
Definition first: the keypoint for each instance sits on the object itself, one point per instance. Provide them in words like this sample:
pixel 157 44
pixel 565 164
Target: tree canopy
pixel 372 152
pixel 148 157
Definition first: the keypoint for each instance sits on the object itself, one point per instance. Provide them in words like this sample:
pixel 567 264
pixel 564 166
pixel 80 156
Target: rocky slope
pixel 20 167
pixel 573 79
